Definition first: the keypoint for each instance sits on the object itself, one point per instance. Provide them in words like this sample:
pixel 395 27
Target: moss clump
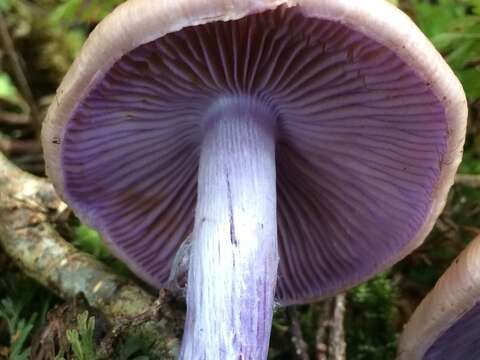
pixel 370 320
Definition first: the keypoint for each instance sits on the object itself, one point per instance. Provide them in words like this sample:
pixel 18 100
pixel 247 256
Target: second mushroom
pixel 302 146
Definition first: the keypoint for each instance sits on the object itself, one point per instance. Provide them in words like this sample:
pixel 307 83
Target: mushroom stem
pixel 234 256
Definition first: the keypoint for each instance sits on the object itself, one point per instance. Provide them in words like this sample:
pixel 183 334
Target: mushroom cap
pixel 371 125
pixel 445 324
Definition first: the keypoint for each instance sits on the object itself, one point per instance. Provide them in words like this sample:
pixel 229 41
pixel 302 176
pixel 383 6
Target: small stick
pixel 13 119
pixel 330 337
pixel 321 339
pixel 19 73
pixel 15 147
pixel 468 180
pixel 336 342
pixel 301 347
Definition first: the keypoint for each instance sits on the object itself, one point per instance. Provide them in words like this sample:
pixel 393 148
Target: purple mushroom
pixel 445 324
pixel 300 146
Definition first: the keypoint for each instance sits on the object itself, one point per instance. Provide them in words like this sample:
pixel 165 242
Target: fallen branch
pixel 27 204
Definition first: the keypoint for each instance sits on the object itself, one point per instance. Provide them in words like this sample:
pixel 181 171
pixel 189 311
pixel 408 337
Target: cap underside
pixel 360 143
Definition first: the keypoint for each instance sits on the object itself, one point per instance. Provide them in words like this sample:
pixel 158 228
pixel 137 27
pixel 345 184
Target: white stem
pixel 234 256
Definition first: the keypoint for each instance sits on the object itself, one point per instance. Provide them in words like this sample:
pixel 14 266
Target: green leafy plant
pixel 132 349
pixel 82 343
pixel 4 4
pixel 454 28
pixel 79 10
pixel 81 339
pixel 18 328
pixel 21 312
pixel 8 91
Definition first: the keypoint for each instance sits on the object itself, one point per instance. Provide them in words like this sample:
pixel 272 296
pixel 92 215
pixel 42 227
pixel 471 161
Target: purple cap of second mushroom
pixel 297 155
pixel 445 324
pixel 461 341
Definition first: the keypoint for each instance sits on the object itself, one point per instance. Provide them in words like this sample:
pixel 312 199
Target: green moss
pixel 371 315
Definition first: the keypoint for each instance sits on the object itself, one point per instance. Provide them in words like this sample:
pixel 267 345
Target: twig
pixel 14 119
pixel 301 347
pixel 330 337
pixel 19 73
pixel 336 343
pixel 15 147
pixel 26 204
pixel 321 339
pixel 468 180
